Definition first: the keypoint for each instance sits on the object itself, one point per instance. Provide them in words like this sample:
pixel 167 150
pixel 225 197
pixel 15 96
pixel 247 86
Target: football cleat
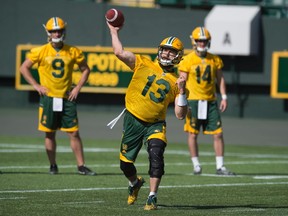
pixel 133 191
pixel 197 170
pixel 151 203
pixel 53 169
pixel 224 171
pixel 83 170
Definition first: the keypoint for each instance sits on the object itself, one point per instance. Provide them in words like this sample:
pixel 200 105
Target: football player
pixel 153 87
pixel 57 110
pixel 202 71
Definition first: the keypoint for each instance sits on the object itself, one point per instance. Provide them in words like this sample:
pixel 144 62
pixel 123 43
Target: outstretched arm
pixel 125 56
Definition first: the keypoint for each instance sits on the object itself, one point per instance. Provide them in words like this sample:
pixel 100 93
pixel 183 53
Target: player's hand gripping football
pixel 113 28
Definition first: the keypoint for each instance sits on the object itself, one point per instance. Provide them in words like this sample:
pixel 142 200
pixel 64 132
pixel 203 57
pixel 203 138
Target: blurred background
pixel 253 37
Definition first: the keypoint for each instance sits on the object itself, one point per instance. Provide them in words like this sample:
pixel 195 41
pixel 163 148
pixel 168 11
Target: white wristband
pixel 224 97
pixel 182 101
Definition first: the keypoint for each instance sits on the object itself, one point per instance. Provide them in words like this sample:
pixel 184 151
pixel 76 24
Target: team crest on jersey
pixel 44 119
pixel 124 147
pixel 156 131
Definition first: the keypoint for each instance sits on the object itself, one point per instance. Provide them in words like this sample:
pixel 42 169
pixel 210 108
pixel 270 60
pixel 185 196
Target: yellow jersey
pixel 55 67
pixel 150 91
pixel 201 82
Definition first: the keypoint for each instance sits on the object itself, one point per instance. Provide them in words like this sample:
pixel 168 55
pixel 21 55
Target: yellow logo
pixel 124 147
pixel 193 120
pixel 44 119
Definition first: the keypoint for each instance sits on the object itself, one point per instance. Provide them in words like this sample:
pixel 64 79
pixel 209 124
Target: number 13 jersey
pixel 150 91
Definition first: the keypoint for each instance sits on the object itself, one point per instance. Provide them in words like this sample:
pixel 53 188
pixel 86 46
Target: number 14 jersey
pixel 202 72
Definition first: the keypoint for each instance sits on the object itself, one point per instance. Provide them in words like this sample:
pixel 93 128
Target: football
pixel 114 17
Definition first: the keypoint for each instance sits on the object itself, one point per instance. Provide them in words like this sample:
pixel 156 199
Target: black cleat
pixel 53 169
pixel 83 170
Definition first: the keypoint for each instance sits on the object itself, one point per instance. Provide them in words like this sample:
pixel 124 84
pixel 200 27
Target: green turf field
pixel 260 187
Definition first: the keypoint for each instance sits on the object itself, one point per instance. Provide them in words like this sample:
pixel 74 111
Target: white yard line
pixel 164 187
pixel 13 148
pixel 12 198
pixel 29 148
pixel 271 177
pixel 146 164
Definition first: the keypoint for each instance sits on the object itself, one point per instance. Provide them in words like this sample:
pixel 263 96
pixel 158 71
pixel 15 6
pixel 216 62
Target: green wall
pixel 248 78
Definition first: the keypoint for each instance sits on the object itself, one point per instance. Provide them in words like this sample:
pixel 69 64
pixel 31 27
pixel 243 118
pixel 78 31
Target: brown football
pixel 114 17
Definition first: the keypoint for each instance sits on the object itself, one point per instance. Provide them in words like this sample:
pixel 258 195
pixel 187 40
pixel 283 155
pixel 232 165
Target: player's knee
pixel 128 169
pixel 156 148
pixel 218 136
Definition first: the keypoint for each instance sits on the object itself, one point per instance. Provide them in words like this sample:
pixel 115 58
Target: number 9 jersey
pixel 55 67
pixel 201 75
pixel 150 91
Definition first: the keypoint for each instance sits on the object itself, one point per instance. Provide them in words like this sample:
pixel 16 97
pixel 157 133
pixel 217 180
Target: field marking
pixel 12 198
pixel 163 187
pixel 32 148
pixel 146 164
pixel 234 176
pixel 270 177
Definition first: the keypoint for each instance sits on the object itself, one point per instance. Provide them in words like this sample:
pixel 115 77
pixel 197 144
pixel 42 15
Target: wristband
pixel 182 101
pixel 224 97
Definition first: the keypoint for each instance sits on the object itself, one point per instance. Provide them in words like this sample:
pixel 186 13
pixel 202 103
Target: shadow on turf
pixel 61 173
pixel 46 173
pixel 190 207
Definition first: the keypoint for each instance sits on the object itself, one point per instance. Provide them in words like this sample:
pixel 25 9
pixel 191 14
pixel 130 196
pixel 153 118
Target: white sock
pixel 195 161
pixel 219 162
pixel 153 194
